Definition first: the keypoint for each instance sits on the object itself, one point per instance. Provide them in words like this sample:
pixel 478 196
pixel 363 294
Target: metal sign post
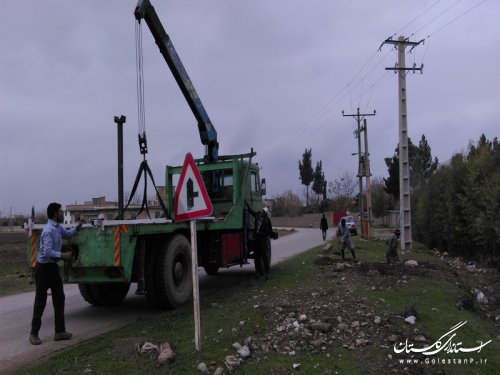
pixel 196 291
pixel 191 201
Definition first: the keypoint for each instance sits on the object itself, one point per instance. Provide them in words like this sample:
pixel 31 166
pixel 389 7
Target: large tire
pixel 104 294
pixel 173 272
pixel 86 293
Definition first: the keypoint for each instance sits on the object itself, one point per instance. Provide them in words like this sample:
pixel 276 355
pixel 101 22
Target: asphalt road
pixel 86 321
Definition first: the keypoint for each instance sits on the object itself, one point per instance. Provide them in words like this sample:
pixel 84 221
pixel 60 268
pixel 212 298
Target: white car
pixel 351 224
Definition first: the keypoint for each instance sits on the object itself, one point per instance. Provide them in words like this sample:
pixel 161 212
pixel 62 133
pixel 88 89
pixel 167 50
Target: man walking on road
pixel 47 273
pixel 324 226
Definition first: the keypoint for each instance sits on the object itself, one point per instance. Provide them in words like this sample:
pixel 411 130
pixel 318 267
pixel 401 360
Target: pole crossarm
pixel 405 41
pixel 359 116
pixel 413 68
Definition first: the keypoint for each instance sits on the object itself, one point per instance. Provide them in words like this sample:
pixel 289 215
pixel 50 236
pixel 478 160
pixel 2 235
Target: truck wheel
pixel 211 270
pixel 86 293
pixel 174 272
pixel 108 294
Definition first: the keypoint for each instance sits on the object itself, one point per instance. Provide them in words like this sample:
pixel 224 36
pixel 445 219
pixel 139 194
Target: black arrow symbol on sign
pixel 190 194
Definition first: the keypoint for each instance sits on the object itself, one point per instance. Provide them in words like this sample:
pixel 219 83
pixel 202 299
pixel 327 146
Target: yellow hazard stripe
pixel 33 249
pixel 117 246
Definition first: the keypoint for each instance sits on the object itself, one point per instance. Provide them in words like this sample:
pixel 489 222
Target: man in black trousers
pixel 47 274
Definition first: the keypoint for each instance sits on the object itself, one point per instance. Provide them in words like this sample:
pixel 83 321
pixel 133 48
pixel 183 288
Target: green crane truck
pixel 156 253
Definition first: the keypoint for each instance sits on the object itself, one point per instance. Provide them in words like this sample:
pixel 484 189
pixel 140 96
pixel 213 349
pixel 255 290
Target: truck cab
pixel 227 239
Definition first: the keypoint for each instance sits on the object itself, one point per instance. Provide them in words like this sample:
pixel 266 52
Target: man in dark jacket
pixel 391 253
pixel 262 237
pixel 323 226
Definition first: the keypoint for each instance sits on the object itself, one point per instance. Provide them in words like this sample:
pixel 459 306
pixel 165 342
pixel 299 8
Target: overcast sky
pixel 274 75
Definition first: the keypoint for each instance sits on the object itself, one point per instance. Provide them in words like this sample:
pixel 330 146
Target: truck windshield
pixel 254 181
pixel 226 178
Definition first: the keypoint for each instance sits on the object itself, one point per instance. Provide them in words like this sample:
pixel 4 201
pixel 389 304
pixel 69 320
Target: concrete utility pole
pixel 119 122
pixel 404 162
pixel 368 183
pixel 361 164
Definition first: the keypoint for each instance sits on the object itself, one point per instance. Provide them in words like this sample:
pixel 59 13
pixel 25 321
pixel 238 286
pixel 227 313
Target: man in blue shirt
pixel 47 274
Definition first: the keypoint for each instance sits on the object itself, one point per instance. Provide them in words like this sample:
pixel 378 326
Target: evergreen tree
pixel 392 182
pixel 381 201
pixel 457 207
pixel 306 171
pixel 422 166
pixel 319 178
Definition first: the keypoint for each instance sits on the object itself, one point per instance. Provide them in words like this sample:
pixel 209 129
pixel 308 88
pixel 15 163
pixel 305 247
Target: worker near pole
pixel 344 236
pixel 391 253
pixel 47 274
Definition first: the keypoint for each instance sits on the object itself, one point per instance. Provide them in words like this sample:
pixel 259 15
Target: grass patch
pixel 262 315
pixel 13 268
pixel 433 299
pixel 14 280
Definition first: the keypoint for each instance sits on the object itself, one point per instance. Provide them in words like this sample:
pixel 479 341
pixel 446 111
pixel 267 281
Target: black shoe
pixel 35 340
pixel 58 336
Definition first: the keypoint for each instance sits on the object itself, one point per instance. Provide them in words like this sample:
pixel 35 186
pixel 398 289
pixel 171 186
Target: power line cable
pixel 456 18
pixel 314 123
pixel 314 126
pixel 436 17
pixel 306 130
pixel 416 18
pixel 277 153
pixel 440 28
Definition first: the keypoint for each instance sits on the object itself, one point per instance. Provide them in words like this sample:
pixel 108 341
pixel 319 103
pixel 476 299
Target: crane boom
pixel 208 134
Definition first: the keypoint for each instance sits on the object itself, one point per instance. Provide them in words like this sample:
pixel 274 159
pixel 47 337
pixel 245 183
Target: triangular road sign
pixel 191 198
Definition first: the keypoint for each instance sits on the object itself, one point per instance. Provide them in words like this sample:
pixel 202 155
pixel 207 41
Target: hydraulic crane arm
pixel 208 134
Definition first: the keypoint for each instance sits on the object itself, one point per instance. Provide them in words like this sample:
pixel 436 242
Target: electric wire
pixel 436 17
pixel 314 123
pixel 277 153
pixel 416 18
pixel 456 18
pixel 304 132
